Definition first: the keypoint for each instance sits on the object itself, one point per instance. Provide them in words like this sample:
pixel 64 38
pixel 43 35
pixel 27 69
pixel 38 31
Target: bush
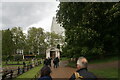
pixel 40 56
pixel 18 57
pixel 6 58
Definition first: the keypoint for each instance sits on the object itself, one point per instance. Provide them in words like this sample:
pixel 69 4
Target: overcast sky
pixel 26 14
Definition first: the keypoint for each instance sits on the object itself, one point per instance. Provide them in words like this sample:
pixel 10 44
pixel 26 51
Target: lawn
pixel 64 58
pixel 12 66
pixel 106 73
pixel 73 64
pixel 104 60
pixel 103 73
pixel 15 63
pixel 30 74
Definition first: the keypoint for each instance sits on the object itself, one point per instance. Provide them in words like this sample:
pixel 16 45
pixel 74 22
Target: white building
pixel 53 52
pixel 56 28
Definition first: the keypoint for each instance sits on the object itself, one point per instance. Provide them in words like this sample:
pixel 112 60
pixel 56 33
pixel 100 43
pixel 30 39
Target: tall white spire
pixel 56 28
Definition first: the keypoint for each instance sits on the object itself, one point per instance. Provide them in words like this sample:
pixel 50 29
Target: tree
pixel 7 44
pixel 36 39
pixel 90 28
pixel 18 38
pixel 53 39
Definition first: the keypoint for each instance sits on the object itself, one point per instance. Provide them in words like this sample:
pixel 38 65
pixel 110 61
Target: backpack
pixel 77 76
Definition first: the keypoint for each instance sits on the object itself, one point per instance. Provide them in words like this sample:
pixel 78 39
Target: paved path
pixel 62 72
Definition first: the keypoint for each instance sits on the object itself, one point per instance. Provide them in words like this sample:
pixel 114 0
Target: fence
pixel 10 74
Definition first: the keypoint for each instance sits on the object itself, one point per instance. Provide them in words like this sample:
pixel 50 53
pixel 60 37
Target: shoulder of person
pixel 87 74
pixel 45 77
pixel 91 75
pixel 77 75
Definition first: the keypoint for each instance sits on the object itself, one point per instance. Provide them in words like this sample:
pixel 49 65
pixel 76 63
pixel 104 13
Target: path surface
pixel 63 72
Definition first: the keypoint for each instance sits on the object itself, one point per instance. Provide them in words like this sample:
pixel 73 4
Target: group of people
pixel 47 62
pixel 56 62
pixel 82 72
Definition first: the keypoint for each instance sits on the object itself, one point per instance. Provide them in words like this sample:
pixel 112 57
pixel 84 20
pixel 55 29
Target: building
pixel 56 28
pixel 52 53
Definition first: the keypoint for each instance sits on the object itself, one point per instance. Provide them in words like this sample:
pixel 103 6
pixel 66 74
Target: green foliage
pixel 7 43
pixel 90 28
pixel 35 42
pixel 35 39
pixel 106 73
pixel 18 38
pixel 53 39
pixel 40 56
pixel 72 64
pixel 30 74
pixel 18 57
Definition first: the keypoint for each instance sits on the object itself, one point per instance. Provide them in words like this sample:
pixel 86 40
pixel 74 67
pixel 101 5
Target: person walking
pixel 82 72
pixel 55 63
pixel 46 62
pixel 45 73
pixel 57 60
pixel 49 61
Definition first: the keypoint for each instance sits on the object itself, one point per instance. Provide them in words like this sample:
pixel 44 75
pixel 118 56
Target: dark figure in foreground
pixel 45 73
pixel 57 59
pixel 82 73
pixel 49 61
pixel 55 62
pixel 46 62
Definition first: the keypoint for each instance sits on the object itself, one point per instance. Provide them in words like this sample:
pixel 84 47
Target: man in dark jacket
pixel 46 62
pixel 49 61
pixel 82 73
pixel 55 62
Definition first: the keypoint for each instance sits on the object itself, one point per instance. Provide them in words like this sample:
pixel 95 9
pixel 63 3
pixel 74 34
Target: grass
pixel 15 63
pixel 12 66
pixel 106 73
pixel 103 73
pixel 30 74
pixel 64 58
pixel 103 60
pixel 73 64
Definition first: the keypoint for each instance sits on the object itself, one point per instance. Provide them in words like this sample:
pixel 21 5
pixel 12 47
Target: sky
pixel 28 14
